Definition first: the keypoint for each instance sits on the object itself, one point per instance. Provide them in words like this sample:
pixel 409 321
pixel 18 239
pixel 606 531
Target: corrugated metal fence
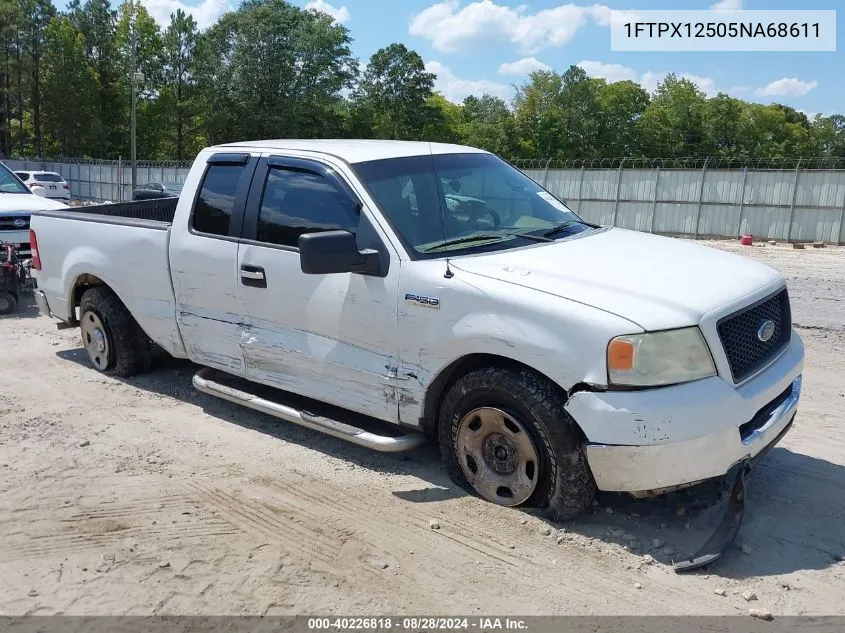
pixel 772 204
pixel 776 204
pixel 104 180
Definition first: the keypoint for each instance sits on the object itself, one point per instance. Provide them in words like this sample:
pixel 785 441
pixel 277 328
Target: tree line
pixel 273 70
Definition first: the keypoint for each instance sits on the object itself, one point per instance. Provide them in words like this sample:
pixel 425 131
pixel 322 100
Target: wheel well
pixel 80 285
pixel 453 372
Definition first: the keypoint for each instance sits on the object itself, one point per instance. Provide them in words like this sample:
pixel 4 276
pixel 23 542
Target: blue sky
pixel 489 45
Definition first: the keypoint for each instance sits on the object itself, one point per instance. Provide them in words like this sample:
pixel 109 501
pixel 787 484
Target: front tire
pixel 505 436
pixel 113 340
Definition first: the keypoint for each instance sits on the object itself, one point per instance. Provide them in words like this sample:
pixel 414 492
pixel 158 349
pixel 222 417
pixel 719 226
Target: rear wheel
pixel 505 436
pixel 114 342
pixel 8 303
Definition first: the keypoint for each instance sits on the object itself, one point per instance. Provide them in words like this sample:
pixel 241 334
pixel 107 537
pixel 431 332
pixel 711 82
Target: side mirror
pixel 38 191
pixel 336 252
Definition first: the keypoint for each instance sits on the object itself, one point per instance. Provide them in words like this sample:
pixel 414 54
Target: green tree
pixel 444 120
pixel 179 88
pixel 392 98
pixel 620 106
pixel 36 17
pixel 725 126
pixel 96 21
pixel 829 135
pixel 490 125
pixel 272 70
pixel 139 45
pixel 66 72
pixel 673 123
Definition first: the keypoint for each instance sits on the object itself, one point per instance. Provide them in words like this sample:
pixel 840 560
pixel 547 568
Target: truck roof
pixel 353 150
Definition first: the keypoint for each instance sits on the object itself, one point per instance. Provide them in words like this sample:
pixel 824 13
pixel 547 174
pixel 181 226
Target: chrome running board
pixel 383 443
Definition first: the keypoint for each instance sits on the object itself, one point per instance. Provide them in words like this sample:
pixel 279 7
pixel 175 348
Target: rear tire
pixel 8 303
pixel 113 340
pixel 505 436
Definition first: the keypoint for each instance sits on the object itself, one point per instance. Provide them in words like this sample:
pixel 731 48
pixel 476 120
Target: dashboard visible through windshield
pixel 445 204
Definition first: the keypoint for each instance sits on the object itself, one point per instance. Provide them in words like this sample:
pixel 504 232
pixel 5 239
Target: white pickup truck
pixel 436 288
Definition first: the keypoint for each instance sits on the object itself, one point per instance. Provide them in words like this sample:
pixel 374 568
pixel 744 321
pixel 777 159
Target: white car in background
pixel 17 202
pixel 54 184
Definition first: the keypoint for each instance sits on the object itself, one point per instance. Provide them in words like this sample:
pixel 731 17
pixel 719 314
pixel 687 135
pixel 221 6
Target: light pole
pixel 135 78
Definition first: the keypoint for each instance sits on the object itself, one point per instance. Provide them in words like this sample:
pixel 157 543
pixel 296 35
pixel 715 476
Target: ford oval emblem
pixel 766 331
pixel 19 223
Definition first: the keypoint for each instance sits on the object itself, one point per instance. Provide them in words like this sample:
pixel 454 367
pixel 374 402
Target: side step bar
pixel 382 443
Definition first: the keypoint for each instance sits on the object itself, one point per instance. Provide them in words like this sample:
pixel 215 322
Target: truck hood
pixel 656 282
pixel 27 202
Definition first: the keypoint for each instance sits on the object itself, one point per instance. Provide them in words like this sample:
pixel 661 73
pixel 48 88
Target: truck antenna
pixel 448 274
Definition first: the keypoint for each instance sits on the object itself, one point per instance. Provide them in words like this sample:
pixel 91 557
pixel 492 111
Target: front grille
pixel 739 334
pixel 8 224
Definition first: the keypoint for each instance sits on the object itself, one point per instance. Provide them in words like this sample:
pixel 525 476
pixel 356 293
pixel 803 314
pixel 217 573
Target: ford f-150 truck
pixel 436 288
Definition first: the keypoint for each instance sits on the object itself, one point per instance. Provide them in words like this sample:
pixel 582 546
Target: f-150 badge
pixel 423 302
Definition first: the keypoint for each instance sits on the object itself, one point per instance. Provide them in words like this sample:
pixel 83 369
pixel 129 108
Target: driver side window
pixel 297 202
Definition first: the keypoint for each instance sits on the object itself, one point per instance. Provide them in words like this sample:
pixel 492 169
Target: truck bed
pixel 125 246
pixel 161 210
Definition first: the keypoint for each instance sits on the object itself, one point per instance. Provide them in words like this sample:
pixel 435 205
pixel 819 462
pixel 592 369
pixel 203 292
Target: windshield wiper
pixel 487 236
pixel 557 228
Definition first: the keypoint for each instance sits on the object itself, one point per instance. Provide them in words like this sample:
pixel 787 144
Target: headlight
pixel 659 358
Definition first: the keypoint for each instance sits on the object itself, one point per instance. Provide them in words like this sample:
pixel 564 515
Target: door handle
pixel 253 276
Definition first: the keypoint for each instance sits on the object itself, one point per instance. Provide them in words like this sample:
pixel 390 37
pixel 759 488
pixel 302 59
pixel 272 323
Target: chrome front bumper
pixel 660 466
pixel 653 440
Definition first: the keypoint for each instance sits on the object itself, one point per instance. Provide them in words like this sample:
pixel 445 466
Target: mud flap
pixel 726 533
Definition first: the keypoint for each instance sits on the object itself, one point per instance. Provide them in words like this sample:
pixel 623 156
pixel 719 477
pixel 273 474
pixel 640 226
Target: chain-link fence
pixel 795 199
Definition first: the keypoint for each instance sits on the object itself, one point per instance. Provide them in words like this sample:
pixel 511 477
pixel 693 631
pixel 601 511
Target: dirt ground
pixel 145 497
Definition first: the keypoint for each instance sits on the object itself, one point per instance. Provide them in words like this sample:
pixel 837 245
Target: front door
pixel 328 337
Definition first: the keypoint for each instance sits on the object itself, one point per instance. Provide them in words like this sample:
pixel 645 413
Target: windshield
pixel 9 183
pixel 454 203
pixel 172 186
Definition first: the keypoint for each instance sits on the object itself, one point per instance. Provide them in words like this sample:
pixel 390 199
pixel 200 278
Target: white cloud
pixel 648 80
pixel 727 5
pixel 340 14
pixel 611 72
pixel 524 66
pixel 786 87
pixel 206 13
pixel 456 90
pixel 737 91
pixel 451 27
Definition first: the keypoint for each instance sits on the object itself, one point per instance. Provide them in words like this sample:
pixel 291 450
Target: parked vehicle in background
pixel 17 202
pixel 153 190
pixel 14 277
pixel 54 184
pixel 551 357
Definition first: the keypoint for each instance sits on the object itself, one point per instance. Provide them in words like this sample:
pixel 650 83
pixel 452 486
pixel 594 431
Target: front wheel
pixel 505 436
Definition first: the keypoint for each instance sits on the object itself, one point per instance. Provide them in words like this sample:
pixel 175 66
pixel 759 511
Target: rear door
pixel 328 337
pixel 203 261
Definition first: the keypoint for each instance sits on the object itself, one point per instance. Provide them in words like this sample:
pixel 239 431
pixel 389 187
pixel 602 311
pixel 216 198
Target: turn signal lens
pixel 620 355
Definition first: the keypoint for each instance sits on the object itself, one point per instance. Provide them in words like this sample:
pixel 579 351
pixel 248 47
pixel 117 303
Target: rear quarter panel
pixel 130 259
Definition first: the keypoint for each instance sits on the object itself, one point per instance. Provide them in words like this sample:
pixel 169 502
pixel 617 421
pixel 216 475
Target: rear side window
pixel 22 175
pixel 298 202
pixel 213 209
